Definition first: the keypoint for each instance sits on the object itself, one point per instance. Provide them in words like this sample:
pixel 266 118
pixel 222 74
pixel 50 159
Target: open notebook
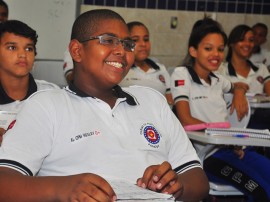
pixel 239 132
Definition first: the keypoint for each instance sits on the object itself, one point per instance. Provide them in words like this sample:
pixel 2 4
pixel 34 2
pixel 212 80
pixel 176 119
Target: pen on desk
pixel 240 135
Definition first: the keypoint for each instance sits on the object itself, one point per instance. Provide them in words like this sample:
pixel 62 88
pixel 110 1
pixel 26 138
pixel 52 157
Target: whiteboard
pixel 52 19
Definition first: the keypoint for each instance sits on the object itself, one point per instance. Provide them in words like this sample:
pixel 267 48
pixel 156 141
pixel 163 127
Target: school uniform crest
pixel 150 133
pixel 260 79
pixel 161 78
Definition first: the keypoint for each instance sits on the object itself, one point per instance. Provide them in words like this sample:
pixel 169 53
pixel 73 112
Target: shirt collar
pixel 195 76
pixel 117 89
pixel 151 63
pixel 232 72
pixel 32 88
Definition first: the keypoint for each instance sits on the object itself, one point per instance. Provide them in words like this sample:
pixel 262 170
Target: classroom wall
pixel 170 45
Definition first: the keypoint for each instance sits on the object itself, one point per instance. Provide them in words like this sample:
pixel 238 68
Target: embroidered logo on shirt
pixel 85 135
pixel 260 79
pixel 179 83
pixel 161 78
pixel 151 134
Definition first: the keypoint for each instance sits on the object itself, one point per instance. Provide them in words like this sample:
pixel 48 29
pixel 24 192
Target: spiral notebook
pixel 239 132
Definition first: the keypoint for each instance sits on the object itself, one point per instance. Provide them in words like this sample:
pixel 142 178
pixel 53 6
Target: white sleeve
pixel 180 84
pixel 30 140
pixel 182 154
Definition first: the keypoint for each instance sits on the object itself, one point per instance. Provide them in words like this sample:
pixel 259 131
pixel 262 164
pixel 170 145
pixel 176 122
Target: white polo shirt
pixel 256 79
pixel 8 104
pixel 263 56
pixel 206 101
pixel 156 77
pixel 65 132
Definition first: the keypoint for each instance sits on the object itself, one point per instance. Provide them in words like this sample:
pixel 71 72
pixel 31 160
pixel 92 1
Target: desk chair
pixel 221 189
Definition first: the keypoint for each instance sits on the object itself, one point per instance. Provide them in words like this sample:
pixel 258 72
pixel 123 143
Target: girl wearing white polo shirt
pixel 145 71
pixel 239 69
pixel 198 96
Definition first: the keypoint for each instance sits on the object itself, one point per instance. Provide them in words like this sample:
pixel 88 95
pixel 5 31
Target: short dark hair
pixel 237 34
pixel 132 24
pixel 4 4
pixel 19 28
pixel 201 29
pixel 262 25
pixel 87 23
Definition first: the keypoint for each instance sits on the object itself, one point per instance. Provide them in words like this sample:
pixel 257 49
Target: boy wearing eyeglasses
pixel 72 139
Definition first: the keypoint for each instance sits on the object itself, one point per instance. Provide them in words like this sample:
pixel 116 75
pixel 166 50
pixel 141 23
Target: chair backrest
pixel 232 118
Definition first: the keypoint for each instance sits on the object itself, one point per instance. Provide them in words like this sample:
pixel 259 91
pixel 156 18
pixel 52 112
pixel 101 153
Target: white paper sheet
pixel 127 191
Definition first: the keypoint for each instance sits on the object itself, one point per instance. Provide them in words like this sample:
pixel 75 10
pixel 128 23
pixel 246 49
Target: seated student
pixel 71 138
pixel 259 54
pixel 239 69
pixel 198 95
pixel 146 72
pixel 17 55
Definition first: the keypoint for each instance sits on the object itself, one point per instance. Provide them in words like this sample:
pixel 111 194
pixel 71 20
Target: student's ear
pixel 75 48
pixel 192 51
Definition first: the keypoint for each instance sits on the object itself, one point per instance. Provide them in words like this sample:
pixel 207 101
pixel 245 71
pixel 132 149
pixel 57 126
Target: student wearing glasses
pixel 144 71
pixel 70 139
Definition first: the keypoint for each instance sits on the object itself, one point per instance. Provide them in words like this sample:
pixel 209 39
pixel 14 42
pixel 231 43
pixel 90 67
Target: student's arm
pixel 169 98
pixel 267 88
pixel 191 185
pixel 184 114
pixel 17 187
pixel 239 102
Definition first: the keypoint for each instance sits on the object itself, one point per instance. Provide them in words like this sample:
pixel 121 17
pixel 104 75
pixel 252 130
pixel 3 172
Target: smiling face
pixel 243 48
pixel 17 55
pixel 209 54
pixel 140 36
pixel 98 65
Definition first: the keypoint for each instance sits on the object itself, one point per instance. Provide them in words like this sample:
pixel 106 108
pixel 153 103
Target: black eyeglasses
pixel 113 41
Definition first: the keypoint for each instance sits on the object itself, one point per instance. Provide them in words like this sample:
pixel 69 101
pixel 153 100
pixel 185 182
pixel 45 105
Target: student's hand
pixel 239 103
pixel 161 178
pixel 2 132
pixel 239 152
pixel 86 187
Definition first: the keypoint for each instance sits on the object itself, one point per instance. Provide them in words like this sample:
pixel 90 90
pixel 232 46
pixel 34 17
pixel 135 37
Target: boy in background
pixel 260 54
pixel 17 55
